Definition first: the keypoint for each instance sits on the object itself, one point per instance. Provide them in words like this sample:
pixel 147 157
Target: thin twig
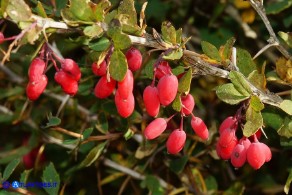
pixel 65 131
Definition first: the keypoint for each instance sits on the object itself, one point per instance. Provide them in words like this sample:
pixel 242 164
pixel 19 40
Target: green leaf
pixel 87 132
pixel 278 6
pixel 121 40
pixel 256 103
pixel 176 104
pixel 229 94
pixel 168 32
pixel 240 83
pixel 244 62
pixel 178 70
pixel 127 8
pixel 286 142
pixel 93 31
pixel 152 184
pixel 236 188
pixel 101 45
pixel 272 119
pixel 227 50
pixel 174 55
pixel 10 168
pixel 51 175
pixel 287 37
pixel 286 129
pixel 93 155
pixel 184 84
pixel 178 165
pixel 257 79
pixel 18 11
pixel 118 65
pixel 286 106
pixel 254 121
pixel 41 10
pixel 53 121
pixel 288 182
pixel 179 36
pixel 102 123
pixel 5 93
pixel 25 175
pixel 129 134
pixel 148 69
pixel 145 150
pixel 211 51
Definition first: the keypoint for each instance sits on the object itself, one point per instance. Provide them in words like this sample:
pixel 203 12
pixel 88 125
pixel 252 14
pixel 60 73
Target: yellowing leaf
pixel 240 4
pixel 248 16
pixel 254 121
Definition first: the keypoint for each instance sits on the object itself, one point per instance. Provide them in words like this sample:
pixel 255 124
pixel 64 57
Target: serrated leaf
pixel 256 103
pixel 174 55
pixel 176 104
pixel 51 175
pixel 287 37
pixel 18 11
pixel 93 155
pixel 257 79
pixel 87 132
pixel 93 31
pixel 168 32
pixel 227 50
pixel 286 129
pixel 240 83
pixel 129 134
pixel 118 65
pixel 10 168
pixel 101 45
pixel 254 121
pixel 178 165
pixel 278 6
pixel 53 121
pixel 228 94
pixel 211 51
pixel 185 81
pixel 288 182
pixel 244 62
pixel 286 106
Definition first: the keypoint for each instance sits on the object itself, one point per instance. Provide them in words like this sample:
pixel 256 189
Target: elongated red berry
pixel 71 67
pixel 125 87
pixel 36 69
pixel 238 156
pixel 155 128
pixel 134 59
pixel 200 128
pixel 268 152
pixel 176 141
pixel 103 88
pixel 188 103
pixel 225 152
pixel 126 106
pixel 230 122
pixel 162 69
pixel 226 137
pixel 167 89
pixel 1 37
pixel 256 155
pixel 35 88
pixel 99 69
pixel 151 100
pixel 245 141
pixel 67 82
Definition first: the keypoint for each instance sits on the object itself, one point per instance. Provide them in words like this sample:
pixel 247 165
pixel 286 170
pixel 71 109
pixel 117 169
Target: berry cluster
pixel 245 149
pixel 124 98
pixel 67 76
pixel 164 94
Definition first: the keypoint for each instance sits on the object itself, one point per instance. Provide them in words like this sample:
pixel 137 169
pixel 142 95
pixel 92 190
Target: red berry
pixel 162 69
pixel 256 155
pixel 188 103
pixel 245 141
pixel 225 152
pixel 71 67
pixel 99 70
pixel 200 128
pixel 125 87
pixel 258 135
pixel 226 137
pixel 267 151
pixel 1 37
pixel 176 141
pixel 167 89
pixel 35 88
pixel 134 59
pixel 155 128
pixel 69 84
pixel 238 156
pixel 30 158
pixel 36 69
pixel 126 106
pixel 229 122
pixel 151 100
pixel 103 88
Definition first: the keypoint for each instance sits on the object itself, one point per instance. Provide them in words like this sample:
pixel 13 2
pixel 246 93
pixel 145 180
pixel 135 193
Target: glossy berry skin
pixel 134 59
pixel 176 141
pixel 126 106
pixel 225 152
pixel 167 89
pixel 155 128
pixel 36 69
pixel 69 84
pixel 72 68
pixel 188 103
pixel 99 70
pixel 125 87
pixel 229 122
pixel 200 128
pixel 151 100
pixel 35 88
pixel 256 155
pixel 245 141
pixel 238 156
pixel 103 88
pixel 1 37
pixel 268 152
pixel 226 137
pixel 162 69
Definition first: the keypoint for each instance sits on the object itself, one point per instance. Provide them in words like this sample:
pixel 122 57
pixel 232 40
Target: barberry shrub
pixel 116 101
